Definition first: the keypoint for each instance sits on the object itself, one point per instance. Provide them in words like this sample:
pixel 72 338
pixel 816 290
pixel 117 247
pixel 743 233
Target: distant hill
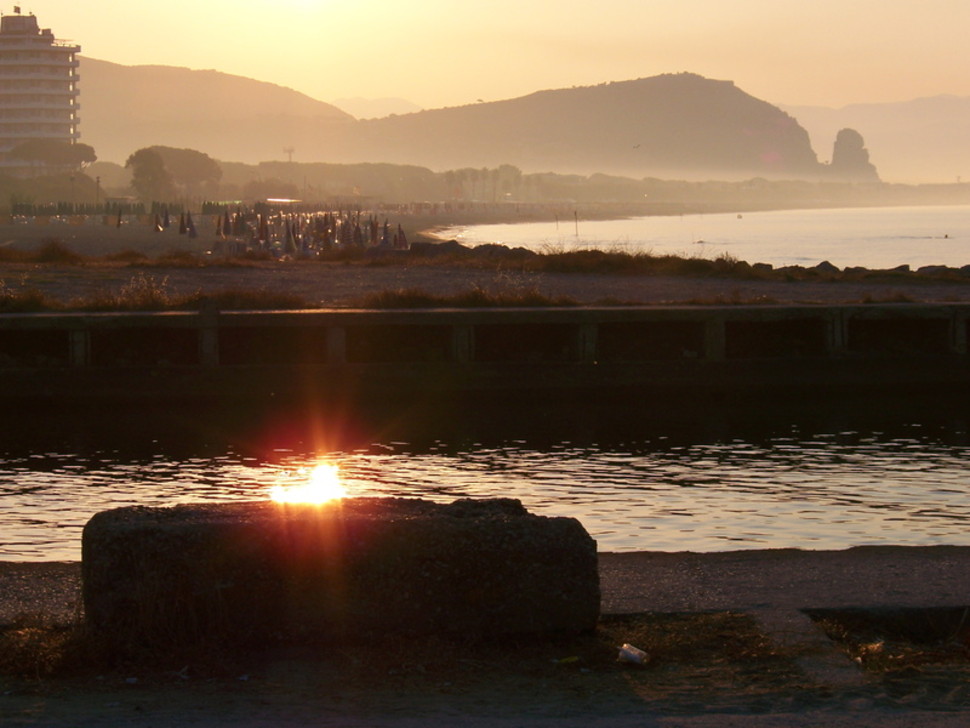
pixel 124 108
pixel 923 140
pixel 675 125
pixel 669 126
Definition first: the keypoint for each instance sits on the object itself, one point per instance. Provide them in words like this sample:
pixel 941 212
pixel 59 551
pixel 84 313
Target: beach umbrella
pixel 182 228
pixel 190 226
pixel 226 224
pixel 402 239
pixel 289 246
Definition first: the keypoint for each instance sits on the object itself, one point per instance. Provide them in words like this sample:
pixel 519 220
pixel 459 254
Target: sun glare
pixel 322 485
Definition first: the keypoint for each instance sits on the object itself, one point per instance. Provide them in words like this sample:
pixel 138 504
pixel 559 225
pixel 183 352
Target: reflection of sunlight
pixel 321 486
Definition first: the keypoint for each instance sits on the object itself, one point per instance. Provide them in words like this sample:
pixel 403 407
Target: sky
pixel 438 53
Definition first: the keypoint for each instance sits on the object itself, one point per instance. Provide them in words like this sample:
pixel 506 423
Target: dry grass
pixel 476 297
pixel 144 292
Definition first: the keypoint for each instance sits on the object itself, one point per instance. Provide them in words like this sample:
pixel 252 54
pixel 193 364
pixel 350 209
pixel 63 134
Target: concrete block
pixel 359 568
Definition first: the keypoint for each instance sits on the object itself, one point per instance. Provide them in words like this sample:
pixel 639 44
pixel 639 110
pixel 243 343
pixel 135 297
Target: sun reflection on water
pixel 318 485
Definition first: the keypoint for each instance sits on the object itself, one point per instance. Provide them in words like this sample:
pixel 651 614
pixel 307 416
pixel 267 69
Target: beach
pixel 349 284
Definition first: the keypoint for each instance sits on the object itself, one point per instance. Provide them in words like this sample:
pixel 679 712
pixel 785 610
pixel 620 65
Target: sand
pixel 341 285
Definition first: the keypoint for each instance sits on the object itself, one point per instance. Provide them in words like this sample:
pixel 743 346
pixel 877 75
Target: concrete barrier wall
pixel 600 344
pixel 482 335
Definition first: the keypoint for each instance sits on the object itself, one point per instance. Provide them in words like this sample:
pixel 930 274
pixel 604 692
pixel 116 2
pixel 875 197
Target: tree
pixel 149 177
pixel 190 169
pixel 54 153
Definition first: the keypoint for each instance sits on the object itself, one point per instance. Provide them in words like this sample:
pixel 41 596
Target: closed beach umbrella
pixel 190 226
pixel 182 228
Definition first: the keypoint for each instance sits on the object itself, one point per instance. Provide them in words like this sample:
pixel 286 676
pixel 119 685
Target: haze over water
pixel 878 238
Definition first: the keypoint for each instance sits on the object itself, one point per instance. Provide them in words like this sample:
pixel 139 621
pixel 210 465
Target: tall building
pixel 38 87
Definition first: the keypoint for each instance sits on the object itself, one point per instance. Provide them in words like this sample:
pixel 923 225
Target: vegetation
pixel 54 153
pixel 476 297
pixel 146 293
pixel 514 284
pixel 149 178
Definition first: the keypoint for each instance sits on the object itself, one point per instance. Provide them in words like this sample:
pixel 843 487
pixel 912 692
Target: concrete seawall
pixel 702 350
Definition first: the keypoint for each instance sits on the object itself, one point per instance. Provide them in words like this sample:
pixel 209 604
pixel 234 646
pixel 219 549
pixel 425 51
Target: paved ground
pixel 774 586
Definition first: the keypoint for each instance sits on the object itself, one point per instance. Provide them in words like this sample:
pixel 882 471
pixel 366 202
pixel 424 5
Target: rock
pixel 826 267
pixel 449 247
pixel 934 270
pixel 356 569
pixel 492 251
pixel 850 158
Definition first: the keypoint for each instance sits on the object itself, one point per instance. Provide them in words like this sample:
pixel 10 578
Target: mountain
pixel 674 126
pixel 124 108
pixel 923 140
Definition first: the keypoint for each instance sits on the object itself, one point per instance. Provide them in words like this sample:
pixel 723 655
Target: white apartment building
pixel 38 87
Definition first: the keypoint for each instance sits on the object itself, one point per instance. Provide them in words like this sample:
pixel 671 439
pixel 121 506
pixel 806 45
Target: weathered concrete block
pixel 357 568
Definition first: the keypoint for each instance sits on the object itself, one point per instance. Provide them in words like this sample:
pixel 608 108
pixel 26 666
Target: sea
pixel 638 481
pixel 876 237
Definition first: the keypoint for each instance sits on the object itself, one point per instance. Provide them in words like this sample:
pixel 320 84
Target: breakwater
pixel 693 352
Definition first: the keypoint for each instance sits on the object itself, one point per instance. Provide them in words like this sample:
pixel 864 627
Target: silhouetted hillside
pixel 665 126
pixel 677 126
pixel 924 140
pixel 124 108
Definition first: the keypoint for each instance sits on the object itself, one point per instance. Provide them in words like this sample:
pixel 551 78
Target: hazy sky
pixel 451 52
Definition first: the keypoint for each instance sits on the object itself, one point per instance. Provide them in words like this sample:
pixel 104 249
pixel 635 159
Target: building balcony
pixel 14 137
pixel 14 96
pixel 58 60
pixel 13 73
pixel 36 43
pixel 64 107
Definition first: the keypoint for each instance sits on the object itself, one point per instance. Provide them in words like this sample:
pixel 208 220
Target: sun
pixel 321 486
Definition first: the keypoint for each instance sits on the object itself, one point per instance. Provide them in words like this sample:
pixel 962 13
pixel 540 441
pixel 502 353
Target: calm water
pixel 871 237
pixel 788 487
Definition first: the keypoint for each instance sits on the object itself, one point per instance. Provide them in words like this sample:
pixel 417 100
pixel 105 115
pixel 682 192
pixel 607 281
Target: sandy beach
pixel 336 284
